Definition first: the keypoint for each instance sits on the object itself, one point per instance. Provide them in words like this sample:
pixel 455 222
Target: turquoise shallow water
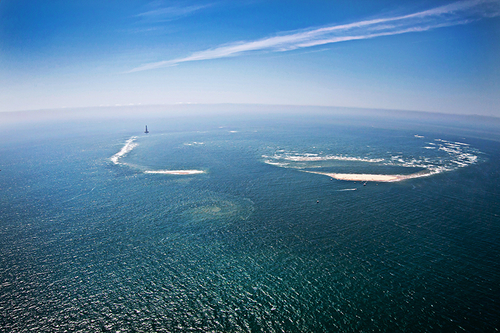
pixel 92 243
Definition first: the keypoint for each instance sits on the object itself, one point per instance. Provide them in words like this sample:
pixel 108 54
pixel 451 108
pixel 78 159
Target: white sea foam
pixel 280 164
pixel 127 148
pixel 457 154
pixel 130 144
pixel 444 156
pixel 175 172
pixel 310 157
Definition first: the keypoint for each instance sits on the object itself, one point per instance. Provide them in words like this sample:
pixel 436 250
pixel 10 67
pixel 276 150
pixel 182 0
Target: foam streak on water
pixel 130 144
pixel 436 157
pixel 174 172
pixel 307 157
pixel 127 148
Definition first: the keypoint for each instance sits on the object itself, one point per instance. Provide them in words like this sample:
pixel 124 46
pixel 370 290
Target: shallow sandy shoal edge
pixel 366 177
pixel 175 172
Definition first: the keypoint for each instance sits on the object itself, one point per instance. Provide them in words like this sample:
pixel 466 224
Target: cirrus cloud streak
pixel 457 13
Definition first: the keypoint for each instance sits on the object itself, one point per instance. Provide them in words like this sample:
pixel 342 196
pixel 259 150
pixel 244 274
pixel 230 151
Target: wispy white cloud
pixel 457 13
pixel 172 12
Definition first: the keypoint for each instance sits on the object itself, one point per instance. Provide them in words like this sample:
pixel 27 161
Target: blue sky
pixel 438 56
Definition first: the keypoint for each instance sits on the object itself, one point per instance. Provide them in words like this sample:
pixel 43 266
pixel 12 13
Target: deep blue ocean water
pixel 90 242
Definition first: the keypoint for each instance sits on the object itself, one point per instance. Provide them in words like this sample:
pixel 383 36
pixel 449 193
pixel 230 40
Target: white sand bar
pixel 176 172
pixel 366 177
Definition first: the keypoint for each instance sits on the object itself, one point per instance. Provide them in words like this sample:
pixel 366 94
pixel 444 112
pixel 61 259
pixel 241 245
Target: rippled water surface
pixel 90 241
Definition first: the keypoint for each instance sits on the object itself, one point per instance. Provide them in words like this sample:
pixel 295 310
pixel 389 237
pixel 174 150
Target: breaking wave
pixel 130 144
pixel 456 155
pixel 433 157
pixel 175 172
pixel 127 148
pixel 308 157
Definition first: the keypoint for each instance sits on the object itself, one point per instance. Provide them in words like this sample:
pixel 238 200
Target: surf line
pixel 127 148
pixel 130 144
pixel 175 172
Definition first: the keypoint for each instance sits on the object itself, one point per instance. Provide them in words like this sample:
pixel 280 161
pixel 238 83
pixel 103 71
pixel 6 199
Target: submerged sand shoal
pixel 175 172
pixel 368 177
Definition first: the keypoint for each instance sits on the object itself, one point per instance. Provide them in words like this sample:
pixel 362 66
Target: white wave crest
pixel 194 143
pixel 127 148
pixel 308 157
pixel 457 155
pixel 175 172
pixel 442 156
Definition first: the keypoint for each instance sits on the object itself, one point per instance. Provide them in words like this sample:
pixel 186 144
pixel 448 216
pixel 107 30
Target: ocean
pixel 236 223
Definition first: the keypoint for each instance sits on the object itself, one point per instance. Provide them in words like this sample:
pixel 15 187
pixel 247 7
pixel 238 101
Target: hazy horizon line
pixel 194 104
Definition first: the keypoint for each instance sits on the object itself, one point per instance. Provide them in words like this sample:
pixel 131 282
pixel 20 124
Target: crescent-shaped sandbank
pixel 370 177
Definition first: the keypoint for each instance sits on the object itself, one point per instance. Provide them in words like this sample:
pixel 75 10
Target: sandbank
pixel 368 177
pixel 175 172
